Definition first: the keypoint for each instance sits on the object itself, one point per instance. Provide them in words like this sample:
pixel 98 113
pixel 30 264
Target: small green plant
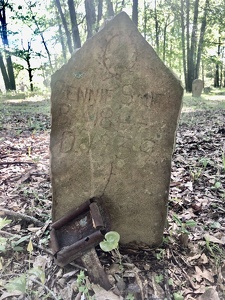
pixel 111 244
pixel 178 296
pixel 195 173
pixel 84 286
pixel 25 281
pixel 130 297
pixel 159 278
pixel 215 251
pixel 160 254
pixel 183 226
pixel 111 241
pixel 204 161
pixel 3 241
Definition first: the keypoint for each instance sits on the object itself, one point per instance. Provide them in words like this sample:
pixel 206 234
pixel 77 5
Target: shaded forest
pixel 37 38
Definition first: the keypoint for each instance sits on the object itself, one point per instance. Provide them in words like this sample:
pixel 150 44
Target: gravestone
pixel 115 107
pixel 197 87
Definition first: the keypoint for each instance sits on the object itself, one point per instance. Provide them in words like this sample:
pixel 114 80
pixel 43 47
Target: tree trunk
pixel 191 70
pixel 62 43
pixel 135 12
pixel 75 30
pixel 156 28
pixel 188 88
pixel 90 17
pixel 68 37
pixel 110 11
pixel 183 40
pixel 145 19
pixel 61 37
pixel 4 74
pixel 10 84
pixel 217 72
pixel 201 39
pixel 99 17
pixel 164 42
pixel 29 69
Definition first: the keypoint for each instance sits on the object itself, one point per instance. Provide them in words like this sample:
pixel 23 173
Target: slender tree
pixel 75 29
pixel 68 36
pixel 90 17
pixel 110 10
pixel 135 12
pixel 7 73
pixel 201 39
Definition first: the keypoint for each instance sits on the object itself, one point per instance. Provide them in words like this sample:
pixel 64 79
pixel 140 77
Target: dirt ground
pixel 190 264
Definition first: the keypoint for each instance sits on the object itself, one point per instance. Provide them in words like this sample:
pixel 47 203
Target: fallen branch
pixel 44 286
pixel 24 217
pixel 16 163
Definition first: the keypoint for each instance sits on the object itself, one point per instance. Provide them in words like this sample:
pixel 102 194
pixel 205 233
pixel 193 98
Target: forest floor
pixel 190 264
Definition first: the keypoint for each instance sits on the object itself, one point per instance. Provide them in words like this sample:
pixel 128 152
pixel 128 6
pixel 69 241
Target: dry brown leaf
pixel 209 294
pixel 208 275
pixel 213 239
pixel 102 294
pixel 198 274
pixel 204 259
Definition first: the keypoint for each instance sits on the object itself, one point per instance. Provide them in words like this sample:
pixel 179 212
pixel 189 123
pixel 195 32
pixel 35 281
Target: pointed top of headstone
pixel 115 107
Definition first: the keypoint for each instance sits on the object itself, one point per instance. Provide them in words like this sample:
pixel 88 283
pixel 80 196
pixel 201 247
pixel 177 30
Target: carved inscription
pixel 67 142
pixel 118 57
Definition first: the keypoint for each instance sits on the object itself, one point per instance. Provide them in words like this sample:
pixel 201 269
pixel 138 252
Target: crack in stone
pixel 107 183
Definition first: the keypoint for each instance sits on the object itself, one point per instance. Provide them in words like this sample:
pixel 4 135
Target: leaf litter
pixel 190 264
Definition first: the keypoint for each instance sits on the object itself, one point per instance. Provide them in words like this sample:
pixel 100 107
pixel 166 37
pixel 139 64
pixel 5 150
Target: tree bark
pixel 183 40
pixel 10 83
pixel 188 88
pixel 135 12
pixel 90 17
pixel 68 37
pixel 99 17
pixel 191 70
pixel 201 39
pixel 4 73
pixel 110 11
pixel 156 28
pixel 75 30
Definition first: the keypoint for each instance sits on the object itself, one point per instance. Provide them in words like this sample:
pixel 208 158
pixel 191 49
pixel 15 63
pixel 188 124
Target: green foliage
pixel 4 222
pixel 159 278
pixel 130 297
pixel 84 285
pixel 177 296
pixel 111 241
pixel 183 226
pixel 17 284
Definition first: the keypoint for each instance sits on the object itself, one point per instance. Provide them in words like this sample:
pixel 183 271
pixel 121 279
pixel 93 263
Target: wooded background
pixel 38 37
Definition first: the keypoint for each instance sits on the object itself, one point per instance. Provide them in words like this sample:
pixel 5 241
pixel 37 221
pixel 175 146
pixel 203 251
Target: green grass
pixel 31 105
pixel 214 100
pixel 41 104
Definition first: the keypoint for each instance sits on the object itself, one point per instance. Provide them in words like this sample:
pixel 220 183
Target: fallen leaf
pixel 213 239
pixel 102 294
pixel 210 294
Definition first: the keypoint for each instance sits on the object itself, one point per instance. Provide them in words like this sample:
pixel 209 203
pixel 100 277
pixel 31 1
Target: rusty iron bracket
pixel 78 232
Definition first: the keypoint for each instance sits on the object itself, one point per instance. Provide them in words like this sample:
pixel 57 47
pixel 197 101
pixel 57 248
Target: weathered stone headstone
pixel 114 116
pixel 197 87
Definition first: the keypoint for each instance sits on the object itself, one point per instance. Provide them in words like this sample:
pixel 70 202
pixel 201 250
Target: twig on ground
pixel 42 249
pixel 24 217
pixel 8 233
pixel 44 286
pixel 16 163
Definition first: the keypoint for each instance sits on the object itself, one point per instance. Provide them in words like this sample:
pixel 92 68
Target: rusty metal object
pixel 79 231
